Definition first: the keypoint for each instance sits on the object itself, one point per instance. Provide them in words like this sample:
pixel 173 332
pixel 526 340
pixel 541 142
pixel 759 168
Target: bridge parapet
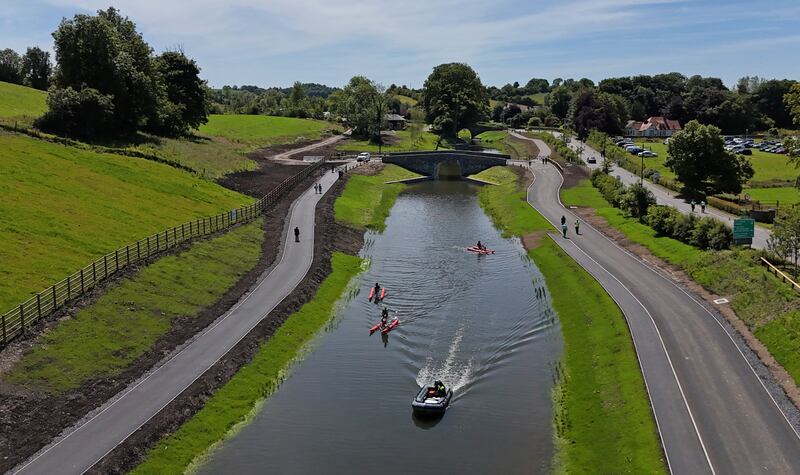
pixel 446 163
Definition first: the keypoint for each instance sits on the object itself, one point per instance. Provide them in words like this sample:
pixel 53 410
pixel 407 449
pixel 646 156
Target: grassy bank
pixel 64 206
pixel 235 402
pixel 602 421
pixel 412 138
pixel 20 104
pixel 769 307
pixel 254 131
pixel 367 199
pixel 126 321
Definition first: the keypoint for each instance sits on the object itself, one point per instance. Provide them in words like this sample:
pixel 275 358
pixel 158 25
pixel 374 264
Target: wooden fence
pixel 779 273
pixel 18 320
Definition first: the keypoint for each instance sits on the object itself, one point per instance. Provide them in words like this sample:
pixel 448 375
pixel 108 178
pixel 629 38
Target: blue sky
pixel 275 42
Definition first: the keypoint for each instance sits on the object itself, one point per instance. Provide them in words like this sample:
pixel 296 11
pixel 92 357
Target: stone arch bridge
pixel 446 164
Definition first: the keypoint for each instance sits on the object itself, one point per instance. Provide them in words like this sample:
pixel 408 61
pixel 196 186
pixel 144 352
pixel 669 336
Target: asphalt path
pixel 92 439
pixel 284 157
pixel 665 196
pixel 713 412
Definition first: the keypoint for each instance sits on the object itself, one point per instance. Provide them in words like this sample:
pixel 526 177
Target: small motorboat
pixel 430 401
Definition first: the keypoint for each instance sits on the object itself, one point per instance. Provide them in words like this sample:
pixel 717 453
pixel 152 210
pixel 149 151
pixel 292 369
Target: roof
pixel 395 117
pixel 656 122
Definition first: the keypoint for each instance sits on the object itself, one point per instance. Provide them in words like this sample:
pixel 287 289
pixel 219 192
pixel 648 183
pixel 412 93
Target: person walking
pixel 296 234
pixel 563 220
pixel 703 206
pixel 564 229
pixel 577 227
pixel 692 204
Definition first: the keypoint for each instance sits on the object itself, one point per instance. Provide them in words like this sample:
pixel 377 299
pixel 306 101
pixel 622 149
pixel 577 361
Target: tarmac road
pixel 91 440
pixel 713 413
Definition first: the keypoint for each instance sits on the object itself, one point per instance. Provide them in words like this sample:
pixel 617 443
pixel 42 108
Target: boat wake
pixel 453 373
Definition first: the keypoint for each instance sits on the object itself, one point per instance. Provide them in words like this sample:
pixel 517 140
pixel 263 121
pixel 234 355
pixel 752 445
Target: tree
pixel 35 68
pixel 363 104
pixel 10 63
pixel 183 102
pixel 792 101
pixel 698 157
pixel 453 98
pixel 785 239
pixel 559 100
pixel 107 54
pixel 298 94
pixel 84 114
pixel 635 201
pixel 593 109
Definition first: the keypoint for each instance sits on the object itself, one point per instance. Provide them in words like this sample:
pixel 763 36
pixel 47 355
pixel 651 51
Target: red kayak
pixel 372 294
pixel 375 328
pixel 390 326
pixel 477 250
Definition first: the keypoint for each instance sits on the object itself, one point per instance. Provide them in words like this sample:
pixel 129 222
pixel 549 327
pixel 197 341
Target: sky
pixel 277 42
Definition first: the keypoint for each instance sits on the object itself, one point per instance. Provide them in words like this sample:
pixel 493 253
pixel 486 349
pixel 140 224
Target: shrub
pixel 700 235
pixel 609 187
pixel 662 219
pixel 720 236
pixel 83 114
pixel 534 122
pixel 635 200
pixel 682 227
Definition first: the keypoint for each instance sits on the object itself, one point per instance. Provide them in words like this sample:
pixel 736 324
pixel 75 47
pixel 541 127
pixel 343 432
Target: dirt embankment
pixel 30 420
pixel 329 236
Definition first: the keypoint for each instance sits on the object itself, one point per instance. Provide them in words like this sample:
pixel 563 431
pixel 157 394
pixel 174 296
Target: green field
pixel 603 422
pixel 409 101
pixel 539 97
pixel 366 200
pixel 255 131
pixel 104 338
pixel 210 157
pixel 64 206
pixel 768 167
pixel 783 194
pixel 770 308
pixel 412 138
pixel 20 104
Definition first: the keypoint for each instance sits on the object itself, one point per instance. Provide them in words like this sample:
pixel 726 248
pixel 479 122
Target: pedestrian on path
pixel 563 220
pixel 692 205
pixel 577 227
pixel 564 229
pixel 296 234
pixel 703 206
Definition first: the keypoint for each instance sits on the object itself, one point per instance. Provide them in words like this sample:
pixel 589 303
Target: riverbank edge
pixel 525 222
pixel 347 238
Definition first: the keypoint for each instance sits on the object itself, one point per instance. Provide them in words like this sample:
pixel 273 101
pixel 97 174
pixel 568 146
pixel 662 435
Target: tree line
pixel 32 69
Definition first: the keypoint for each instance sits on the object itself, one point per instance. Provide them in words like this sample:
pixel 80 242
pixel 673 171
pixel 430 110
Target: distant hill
pixel 312 89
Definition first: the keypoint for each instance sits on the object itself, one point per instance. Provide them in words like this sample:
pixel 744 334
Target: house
pixel 395 122
pixel 654 127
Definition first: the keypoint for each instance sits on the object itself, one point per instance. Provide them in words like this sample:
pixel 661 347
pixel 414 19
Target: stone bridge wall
pixel 446 162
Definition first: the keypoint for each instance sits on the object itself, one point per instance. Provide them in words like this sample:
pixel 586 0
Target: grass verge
pixel 603 420
pixel 20 104
pixel 412 138
pixel 254 131
pixel 126 321
pixel 356 205
pixel 769 308
pixel 234 403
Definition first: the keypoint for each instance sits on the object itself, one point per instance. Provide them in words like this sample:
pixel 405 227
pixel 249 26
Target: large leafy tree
pixel 698 157
pixel 364 104
pixel 768 100
pixel 593 109
pixel 454 98
pixel 35 68
pixel 10 63
pixel 183 98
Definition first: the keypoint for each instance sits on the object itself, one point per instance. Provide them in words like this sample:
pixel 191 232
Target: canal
pixel 481 324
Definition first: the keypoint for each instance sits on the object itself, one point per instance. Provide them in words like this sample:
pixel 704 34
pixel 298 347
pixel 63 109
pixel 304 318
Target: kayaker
pixel 384 317
pixel 481 246
pixel 441 391
pixel 377 292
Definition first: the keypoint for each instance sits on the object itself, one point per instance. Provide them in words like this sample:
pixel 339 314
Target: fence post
pixel 174 235
pixel 82 288
pixel 22 317
pixel 54 298
pixel 116 260
pixel 128 254
pixel 69 290
pixel 39 305
pixel 158 244
pixel 105 266
pixel 138 251
pixel 5 336
pixel 94 272
pixel 148 246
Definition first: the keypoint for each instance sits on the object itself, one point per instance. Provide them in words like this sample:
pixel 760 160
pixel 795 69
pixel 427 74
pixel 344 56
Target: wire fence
pixel 18 320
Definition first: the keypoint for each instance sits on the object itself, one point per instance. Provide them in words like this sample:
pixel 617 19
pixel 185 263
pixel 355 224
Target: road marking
pixel 652 320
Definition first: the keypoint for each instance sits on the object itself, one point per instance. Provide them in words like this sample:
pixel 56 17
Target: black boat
pixel 431 401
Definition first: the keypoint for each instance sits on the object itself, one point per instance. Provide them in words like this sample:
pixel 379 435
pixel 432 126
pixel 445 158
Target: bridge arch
pixel 446 164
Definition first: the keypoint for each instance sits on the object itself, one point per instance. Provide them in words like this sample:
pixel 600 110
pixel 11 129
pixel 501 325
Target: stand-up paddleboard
pixel 391 326
pixel 477 250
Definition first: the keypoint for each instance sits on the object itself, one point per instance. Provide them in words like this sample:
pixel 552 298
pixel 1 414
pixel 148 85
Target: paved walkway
pixel 665 196
pixel 90 441
pixel 284 156
pixel 713 412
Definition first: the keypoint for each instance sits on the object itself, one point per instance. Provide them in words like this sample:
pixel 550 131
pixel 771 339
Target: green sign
pixel 743 231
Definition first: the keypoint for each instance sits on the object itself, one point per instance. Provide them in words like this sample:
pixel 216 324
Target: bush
pixel 84 114
pixel 609 187
pixel 683 226
pixel 634 200
pixel 534 122
pixel 700 235
pixel 662 219
pixel 720 236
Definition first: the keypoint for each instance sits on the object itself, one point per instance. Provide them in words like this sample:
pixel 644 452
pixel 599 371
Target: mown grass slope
pixel 64 206
pixel 412 138
pixel 126 321
pixel 20 103
pixel 254 131
pixel 367 199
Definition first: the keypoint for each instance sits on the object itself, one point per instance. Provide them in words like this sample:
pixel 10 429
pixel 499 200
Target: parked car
pixel 591 159
pixel 780 150
pixel 363 157
pixel 647 154
pixel 744 151
pixel 635 150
